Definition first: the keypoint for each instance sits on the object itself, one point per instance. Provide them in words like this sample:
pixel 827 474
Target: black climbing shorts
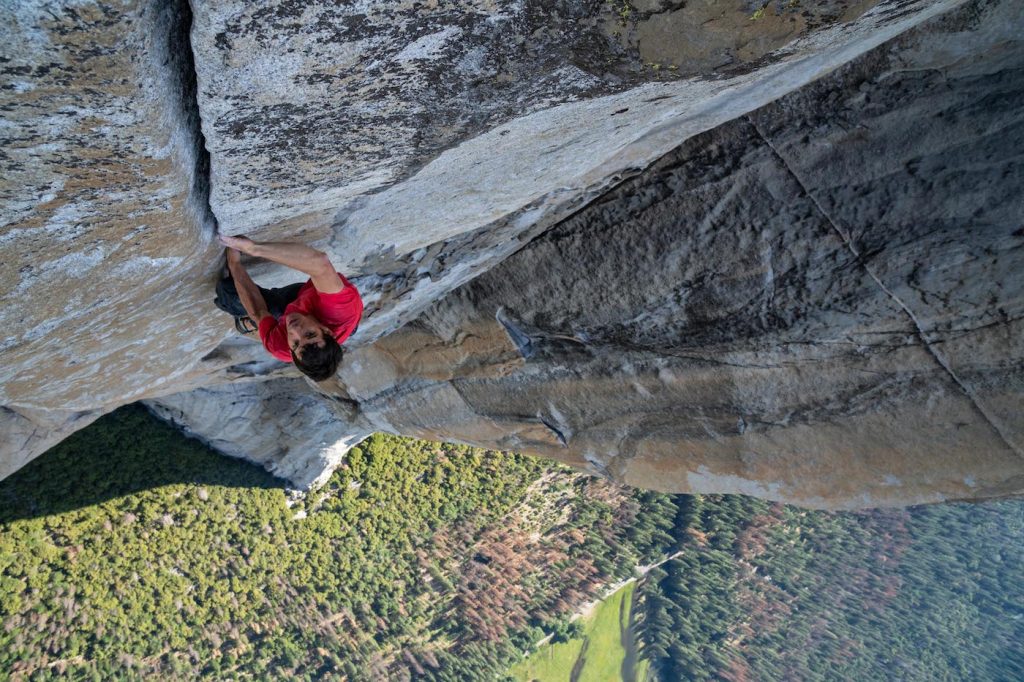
pixel 277 299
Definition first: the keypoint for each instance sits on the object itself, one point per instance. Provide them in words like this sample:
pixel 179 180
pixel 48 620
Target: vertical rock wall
pixel 818 300
pixel 106 232
pixel 281 425
pixel 27 432
pixel 818 303
pixel 421 144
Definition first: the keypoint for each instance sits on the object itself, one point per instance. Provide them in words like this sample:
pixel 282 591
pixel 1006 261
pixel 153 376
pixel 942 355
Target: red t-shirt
pixel 339 312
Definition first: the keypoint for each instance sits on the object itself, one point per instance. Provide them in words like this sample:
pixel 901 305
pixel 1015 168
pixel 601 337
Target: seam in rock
pixel 919 329
pixel 176 19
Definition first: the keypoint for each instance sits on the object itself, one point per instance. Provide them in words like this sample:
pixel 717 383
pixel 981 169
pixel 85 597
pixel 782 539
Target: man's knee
pixel 227 297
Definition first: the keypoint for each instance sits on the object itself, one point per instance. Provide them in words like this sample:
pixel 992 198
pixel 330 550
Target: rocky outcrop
pixel 27 432
pixel 282 425
pixel 815 298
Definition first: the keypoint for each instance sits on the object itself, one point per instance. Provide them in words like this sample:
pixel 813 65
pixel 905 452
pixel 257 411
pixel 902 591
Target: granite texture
pixel 422 143
pixel 280 425
pixel 777 255
pixel 819 302
pixel 104 219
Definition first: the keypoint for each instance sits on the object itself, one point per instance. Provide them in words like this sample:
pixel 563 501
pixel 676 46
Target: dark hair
pixel 320 363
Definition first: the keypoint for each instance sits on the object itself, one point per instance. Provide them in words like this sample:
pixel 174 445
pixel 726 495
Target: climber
pixel 304 323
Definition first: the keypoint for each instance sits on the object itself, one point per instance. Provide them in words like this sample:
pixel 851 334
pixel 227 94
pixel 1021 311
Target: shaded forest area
pixel 764 591
pixel 129 551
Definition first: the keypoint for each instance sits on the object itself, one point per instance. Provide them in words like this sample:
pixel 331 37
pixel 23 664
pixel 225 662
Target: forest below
pixel 132 552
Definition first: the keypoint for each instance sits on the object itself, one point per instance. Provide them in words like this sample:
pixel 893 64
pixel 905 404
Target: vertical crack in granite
pixel 175 18
pixel 920 332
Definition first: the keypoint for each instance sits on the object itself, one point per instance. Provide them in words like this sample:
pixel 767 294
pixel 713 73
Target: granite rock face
pixel 106 232
pixel 28 432
pixel 785 306
pixel 281 425
pixel 421 143
pixel 815 298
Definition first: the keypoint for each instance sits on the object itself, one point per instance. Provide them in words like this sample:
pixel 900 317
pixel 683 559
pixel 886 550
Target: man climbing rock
pixel 304 323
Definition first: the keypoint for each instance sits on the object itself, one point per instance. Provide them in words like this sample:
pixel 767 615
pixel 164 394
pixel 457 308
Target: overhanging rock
pixel 281 425
pixel 422 145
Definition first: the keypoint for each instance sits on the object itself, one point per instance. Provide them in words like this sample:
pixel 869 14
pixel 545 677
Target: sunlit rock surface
pixel 106 234
pixel 820 302
pixel 421 144
pixel 816 298
pixel 291 431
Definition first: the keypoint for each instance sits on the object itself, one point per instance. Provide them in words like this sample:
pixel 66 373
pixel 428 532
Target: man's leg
pixel 227 297
pixel 228 301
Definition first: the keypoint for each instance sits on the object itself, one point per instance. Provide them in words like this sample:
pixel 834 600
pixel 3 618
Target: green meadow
pixel 599 655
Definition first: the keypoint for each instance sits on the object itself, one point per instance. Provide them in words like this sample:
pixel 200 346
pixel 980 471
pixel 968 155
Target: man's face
pixel 303 330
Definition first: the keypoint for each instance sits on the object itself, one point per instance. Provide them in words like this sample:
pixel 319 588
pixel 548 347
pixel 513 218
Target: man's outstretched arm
pixel 295 255
pixel 248 293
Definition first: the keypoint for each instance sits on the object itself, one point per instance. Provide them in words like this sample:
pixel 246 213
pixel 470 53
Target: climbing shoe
pixel 245 325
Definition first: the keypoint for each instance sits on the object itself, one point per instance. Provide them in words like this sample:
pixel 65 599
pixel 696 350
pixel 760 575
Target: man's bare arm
pixel 248 293
pixel 294 255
